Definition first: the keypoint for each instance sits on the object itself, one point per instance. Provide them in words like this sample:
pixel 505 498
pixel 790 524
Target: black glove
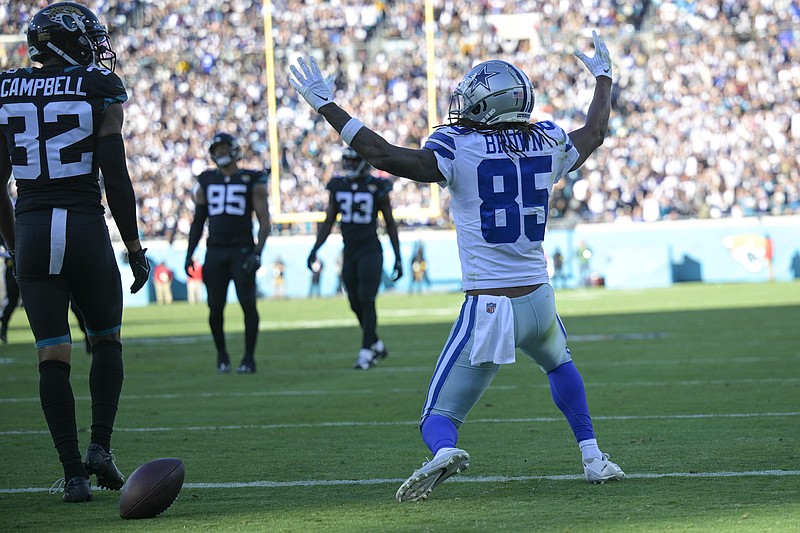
pixel 398 270
pixel 251 263
pixel 140 267
pixel 310 261
pixel 188 266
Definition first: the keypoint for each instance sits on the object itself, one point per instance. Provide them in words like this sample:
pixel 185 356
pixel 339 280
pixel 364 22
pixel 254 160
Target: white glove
pixel 600 64
pixel 310 84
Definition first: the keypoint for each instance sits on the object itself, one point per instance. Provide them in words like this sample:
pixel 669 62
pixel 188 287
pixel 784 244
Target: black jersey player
pixel 358 197
pixel 60 123
pixel 227 197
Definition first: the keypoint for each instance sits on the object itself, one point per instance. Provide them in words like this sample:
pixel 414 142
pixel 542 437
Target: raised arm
pixel 588 138
pixel 418 165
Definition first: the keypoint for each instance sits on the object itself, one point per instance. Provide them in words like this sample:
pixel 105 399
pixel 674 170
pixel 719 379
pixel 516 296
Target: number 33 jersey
pixel 499 200
pixel 49 119
pixel 359 201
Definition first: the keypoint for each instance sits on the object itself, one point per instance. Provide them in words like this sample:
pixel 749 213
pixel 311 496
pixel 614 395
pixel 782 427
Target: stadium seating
pixel 705 122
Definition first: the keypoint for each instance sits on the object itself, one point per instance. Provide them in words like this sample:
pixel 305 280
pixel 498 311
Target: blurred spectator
pixel 769 256
pixel 705 120
pixel 162 279
pixel 558 270
pixel 194 283
pixel 419 270
pixel 339 266
pixel 279 279
pixel 316 277
pixel 584 264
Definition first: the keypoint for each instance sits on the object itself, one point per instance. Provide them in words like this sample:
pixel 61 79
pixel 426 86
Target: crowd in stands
pixel 705 119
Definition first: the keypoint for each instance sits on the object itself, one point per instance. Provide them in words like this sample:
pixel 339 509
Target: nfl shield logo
pixel 490 307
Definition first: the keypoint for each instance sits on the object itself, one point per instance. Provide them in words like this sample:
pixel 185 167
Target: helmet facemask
pixel 104 55
pixel 72 33
pixel 224 158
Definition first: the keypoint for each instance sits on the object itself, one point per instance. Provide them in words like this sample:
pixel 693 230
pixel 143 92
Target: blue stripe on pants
pixel 455 344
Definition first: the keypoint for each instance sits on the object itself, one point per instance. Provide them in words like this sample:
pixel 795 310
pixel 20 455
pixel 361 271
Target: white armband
pixel 350 129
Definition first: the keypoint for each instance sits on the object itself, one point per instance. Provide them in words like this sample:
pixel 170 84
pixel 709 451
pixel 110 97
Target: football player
pixel 358 197
pixel 227 197
pixel 12 292
pixel 500 169
pixel 59 124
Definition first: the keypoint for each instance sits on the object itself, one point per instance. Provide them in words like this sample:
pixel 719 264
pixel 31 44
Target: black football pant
pixel 361 275
pixel 223 264
pixel 60 256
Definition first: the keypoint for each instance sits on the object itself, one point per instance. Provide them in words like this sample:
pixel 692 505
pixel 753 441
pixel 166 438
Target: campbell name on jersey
pixel 499 199
pixel 230 205
pixel 359 202
pixel 49 119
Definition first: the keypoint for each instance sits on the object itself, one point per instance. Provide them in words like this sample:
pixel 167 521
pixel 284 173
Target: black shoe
pixel 4 332
pixel 379 355
pixel 101 463
pixel 224 368
pixel 246 368
pixel 77 490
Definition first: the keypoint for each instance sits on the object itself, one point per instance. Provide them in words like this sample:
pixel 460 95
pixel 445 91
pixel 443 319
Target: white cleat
pixel 366 359
pixel 448 462
pixel 601 470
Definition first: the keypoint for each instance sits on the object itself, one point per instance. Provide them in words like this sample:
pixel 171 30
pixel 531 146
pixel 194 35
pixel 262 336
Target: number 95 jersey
pixel 499 200
pixel 230 205
pixel 49 119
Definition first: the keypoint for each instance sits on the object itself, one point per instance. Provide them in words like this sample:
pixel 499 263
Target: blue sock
pixel 566 386
pixel 439 432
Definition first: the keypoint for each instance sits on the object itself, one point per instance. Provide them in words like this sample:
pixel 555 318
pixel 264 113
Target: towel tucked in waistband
pixel 493 338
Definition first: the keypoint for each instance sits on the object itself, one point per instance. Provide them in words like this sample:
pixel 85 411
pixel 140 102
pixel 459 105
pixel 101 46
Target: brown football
pixel 151 488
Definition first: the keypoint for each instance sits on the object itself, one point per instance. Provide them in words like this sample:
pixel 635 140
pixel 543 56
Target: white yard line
pixel 355 392
pixel 543 419
pixel 462 479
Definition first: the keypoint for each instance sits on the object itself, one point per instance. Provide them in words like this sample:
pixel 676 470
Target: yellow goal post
pixel 432 212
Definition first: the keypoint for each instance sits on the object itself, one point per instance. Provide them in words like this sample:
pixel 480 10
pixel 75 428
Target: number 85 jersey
pixel 499 200
pixel 49 119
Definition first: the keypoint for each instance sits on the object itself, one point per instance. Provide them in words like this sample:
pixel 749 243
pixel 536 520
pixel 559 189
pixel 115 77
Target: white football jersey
pixel 499 201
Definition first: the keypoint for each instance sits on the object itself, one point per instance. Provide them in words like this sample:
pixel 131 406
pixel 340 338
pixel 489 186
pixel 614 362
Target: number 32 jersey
pixel 499 201
pixel 49 119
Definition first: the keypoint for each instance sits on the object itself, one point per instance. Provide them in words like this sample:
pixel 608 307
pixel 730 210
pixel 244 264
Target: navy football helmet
pixel 71 33
pixel 493 91
pixel 222 159
pixel 354 165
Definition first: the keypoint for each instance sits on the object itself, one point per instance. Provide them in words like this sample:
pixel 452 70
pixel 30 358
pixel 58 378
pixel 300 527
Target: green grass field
pixel 694 390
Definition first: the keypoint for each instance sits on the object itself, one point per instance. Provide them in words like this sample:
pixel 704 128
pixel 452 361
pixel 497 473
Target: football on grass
pixel 151 488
